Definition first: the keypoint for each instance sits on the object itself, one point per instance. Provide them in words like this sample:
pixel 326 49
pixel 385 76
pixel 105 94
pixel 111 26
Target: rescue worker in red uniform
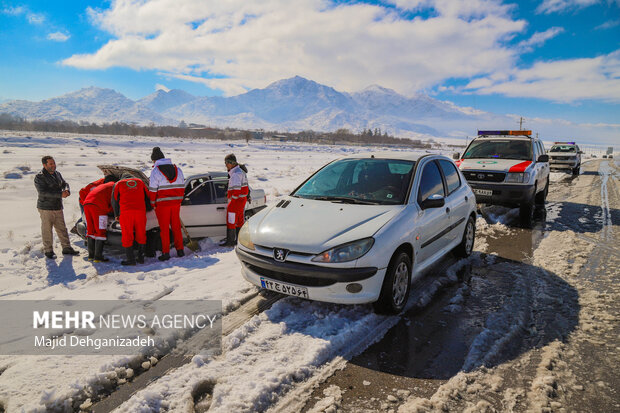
pixel 238 192
pixel 130 200
pixel 97 206
pixel 167 188
pixel 86 190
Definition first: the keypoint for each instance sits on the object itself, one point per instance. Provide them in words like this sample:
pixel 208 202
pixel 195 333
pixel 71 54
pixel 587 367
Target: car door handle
pixel 447 210
pixel 220 208
pixel 466 199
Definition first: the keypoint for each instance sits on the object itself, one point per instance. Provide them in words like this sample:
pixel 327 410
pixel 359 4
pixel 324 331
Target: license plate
pixel 284 288
pixel 483 192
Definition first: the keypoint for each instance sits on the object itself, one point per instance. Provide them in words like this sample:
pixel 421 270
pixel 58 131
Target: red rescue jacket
pixel 166 184
pixel 86 190
pixel 130 195
pixel 101 196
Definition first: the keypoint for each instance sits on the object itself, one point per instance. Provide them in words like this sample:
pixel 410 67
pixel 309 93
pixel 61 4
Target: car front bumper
pixel 323 283
pixel 503 194
pixel 563 164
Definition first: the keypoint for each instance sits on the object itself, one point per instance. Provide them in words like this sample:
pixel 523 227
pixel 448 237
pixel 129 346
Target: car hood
pixel 495 165
pixel 119 171
pixel 312 226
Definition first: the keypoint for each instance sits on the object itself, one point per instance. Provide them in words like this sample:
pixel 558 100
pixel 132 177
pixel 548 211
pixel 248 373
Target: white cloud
pixel 161 87
pixel 608 25
pixel 559 6
pixel 562 80
pixel 58 36
pixel 33 18
pixel 349 46
pixel 540 38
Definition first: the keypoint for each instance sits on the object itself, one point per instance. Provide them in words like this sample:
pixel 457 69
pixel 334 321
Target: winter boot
pixel 230 239
pixel 90 244
pixel 181 253
pixel 69 251
pixel 140 257
pixel 165 256
pixel 131 260
pixel 237 234
pixel 99 251
pixel 50 255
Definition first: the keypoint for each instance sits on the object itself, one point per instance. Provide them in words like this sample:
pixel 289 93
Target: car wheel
pixel 576 170
pixel 526 213
pixel 466 246
pixel 396 284
pixel 542 195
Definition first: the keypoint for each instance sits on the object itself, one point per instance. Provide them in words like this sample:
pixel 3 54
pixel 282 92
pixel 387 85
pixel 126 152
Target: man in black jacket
pixel 52 188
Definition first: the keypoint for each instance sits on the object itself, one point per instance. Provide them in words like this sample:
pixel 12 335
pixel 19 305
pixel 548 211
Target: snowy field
pixel 34 383
pixel 274 358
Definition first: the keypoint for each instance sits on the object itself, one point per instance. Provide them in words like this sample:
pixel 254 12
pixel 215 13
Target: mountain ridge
pixel 291 104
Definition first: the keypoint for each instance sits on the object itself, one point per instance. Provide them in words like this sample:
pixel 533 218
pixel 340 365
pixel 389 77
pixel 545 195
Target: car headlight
pixel 244 237
pixel 517 177
pixel 346 252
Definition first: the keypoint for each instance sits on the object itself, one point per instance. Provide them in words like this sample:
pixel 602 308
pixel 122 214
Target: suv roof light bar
pixel 505 132
pixel 564 143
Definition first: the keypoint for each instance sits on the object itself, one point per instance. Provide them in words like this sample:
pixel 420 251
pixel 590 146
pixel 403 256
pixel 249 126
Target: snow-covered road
pixel 532 327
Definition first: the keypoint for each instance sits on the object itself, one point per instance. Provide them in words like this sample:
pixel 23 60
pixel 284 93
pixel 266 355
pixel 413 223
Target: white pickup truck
pixel 203 211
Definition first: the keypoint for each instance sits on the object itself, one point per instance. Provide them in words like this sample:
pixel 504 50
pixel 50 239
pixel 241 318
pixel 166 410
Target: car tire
pixel 576 170
pixel 396 286
pixel 464 249
pixel 526 213
pixel 541 197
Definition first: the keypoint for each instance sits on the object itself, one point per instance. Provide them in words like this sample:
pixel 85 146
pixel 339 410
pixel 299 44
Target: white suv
pixel 360 229
pixel 507 168
pixel 565 156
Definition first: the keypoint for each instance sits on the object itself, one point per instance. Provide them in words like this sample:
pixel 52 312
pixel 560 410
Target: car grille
pixel 561 158
pixel 483 176
pixel 288 278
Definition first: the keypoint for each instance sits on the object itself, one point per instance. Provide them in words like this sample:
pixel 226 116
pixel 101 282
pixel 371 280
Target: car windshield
pixel 562 148
pixel 360 181
pixel 500 149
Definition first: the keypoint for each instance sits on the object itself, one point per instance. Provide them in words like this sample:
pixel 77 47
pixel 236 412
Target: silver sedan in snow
pixel 360 229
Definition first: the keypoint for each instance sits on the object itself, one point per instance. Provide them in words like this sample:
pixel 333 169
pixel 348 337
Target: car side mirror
pixel 456 156
pixel 433 201
pixel 580 152
pixel 543 158
pixel 186 201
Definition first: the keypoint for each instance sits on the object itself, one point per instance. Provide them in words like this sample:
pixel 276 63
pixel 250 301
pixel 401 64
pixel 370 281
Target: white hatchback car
pixel 360 229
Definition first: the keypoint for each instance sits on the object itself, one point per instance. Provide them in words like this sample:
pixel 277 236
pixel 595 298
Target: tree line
pixel 340 136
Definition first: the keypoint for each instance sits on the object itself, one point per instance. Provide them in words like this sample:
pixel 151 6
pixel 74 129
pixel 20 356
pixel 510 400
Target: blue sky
pixel 555 59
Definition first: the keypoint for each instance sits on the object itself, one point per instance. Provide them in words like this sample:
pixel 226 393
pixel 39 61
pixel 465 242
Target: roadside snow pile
pixel 331 402
pixel 486 231
pixel 563 261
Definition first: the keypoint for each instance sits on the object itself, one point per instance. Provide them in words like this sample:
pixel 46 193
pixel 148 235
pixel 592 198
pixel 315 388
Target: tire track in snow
pixel 254 305
pixel 605 171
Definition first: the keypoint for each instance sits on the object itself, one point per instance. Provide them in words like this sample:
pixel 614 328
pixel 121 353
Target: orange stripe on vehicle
pixel 520 167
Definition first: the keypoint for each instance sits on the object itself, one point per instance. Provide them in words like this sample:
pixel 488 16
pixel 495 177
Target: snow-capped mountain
pixel 290 104
pixel 162 100
pixel 91 104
